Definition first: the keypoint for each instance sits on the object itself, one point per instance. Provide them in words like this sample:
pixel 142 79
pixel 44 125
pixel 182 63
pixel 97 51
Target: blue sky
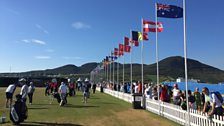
pixel 44 34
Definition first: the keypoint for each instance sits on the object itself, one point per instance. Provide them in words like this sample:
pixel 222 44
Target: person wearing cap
pixel 79 81
pixel 24 89
pixel 9 94
pixel 85 89
pixel 31 90
pixel 63 91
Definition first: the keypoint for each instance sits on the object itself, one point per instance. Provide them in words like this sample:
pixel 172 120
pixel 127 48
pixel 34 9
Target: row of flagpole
pixel 161 10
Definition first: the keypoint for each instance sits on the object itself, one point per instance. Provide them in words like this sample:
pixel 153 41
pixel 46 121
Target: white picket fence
pixel 172 112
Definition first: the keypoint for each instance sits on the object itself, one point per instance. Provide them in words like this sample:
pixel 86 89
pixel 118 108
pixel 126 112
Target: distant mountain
pixel 63 70
pixel 87 68
pixel 174 67
pixel 171 67
pixel 67 69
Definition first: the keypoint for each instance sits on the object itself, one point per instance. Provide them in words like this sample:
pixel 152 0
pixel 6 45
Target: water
pixel 192 86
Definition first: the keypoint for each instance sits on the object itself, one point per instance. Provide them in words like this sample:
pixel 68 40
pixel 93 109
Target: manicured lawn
pixel 101 109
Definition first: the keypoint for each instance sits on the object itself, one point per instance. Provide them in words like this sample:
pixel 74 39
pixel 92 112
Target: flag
pixel 134 43
pixel 116 53
pixel 121 47
pixel 126 41
pixel 144 37
pixel 136 36
pixel 149 26
pixel 169 11
pixel 121 53
pixel 113 58
pixel 127 48
pixel 115 49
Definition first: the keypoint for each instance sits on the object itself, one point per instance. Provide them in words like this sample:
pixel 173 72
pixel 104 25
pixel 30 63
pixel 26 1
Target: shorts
pixel 62 96
pixel 85 94
pixel 9 95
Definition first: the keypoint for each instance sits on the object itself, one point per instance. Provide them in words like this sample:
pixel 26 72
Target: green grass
pixel 100 107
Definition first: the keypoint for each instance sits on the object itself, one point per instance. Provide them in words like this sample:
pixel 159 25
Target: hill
pixel 169 69
pixel 174 67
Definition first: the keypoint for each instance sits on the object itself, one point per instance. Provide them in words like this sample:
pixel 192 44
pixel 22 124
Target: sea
pixel 192 86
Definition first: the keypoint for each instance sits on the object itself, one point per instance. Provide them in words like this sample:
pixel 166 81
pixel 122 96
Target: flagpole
pixel 157 52
pixel 113 71
pixel 117 73
pixel 142 60
pixel 131 64
pixel 110 70
pixel 185 58
pixel 123 68
pixel 104 70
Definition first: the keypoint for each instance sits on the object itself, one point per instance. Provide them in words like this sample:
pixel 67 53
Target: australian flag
pixel 169 11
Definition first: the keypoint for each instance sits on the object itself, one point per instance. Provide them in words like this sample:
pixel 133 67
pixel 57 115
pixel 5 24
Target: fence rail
pixel 172 112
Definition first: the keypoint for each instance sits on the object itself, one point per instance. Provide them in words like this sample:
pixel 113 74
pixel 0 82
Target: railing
pixel 173 112
pixel 120 95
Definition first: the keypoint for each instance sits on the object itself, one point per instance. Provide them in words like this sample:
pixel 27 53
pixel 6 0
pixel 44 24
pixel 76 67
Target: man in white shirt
pixel 63 91
pixel 9 94
pixel 24 89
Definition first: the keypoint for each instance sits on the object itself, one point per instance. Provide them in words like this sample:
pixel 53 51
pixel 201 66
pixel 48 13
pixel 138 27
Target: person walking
pixel 86 90
pixel 94 88
pixel 47 88
pixel 24 89
pixel 9 94
pixel 63 91
pixel 31 90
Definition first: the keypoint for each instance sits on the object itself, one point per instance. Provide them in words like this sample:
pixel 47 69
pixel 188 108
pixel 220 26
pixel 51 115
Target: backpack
pixel 218 95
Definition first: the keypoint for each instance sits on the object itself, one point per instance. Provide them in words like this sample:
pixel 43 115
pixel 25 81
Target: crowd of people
pixel 205 101
pixel 52 89
pixel 26 90
pixel 69 88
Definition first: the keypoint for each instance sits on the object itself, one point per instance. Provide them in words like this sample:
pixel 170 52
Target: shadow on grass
pixel 38 108
pixel 47 124
pixel 94 98
pixel 109 103
pixel 80 106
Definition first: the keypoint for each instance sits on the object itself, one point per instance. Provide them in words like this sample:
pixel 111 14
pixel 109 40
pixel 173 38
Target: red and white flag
pixel 149 26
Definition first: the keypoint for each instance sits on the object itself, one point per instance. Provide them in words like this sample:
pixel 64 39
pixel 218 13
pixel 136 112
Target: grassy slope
pixel 101 109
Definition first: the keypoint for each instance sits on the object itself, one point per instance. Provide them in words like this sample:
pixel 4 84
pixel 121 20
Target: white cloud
pixel 80 25
pixel 72 58
pixel 26 41
pixel 42 57
pixel 49 50
pixel 38 42
pixel 42 29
